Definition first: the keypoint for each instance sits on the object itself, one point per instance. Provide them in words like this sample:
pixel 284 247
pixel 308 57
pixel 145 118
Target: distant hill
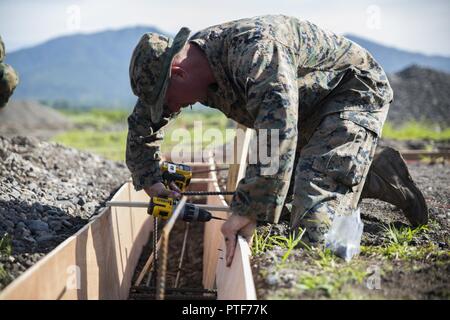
pixel 92 69
pixel 83 69
pixel 394 60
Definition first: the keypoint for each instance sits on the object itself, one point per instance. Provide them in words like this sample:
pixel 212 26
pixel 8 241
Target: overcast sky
pixel 415 25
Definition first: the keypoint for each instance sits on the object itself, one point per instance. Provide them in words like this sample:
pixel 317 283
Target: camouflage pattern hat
pixel 2 50
pixel 150 68
pixel 8 82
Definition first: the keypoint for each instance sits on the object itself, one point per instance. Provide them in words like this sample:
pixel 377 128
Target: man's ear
pixel 178 73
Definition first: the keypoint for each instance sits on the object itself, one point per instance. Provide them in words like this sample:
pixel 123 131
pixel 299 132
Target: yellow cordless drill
pixel 180 174
pixel 162 207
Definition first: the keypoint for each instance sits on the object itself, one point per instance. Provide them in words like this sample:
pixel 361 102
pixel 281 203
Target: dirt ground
pixel 412 264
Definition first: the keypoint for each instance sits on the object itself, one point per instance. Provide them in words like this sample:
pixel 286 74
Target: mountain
pixel 92 69
pixel 82 69
pixel 394 60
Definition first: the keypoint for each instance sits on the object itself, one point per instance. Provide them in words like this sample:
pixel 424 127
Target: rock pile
pixel 47 193
pixel 420 94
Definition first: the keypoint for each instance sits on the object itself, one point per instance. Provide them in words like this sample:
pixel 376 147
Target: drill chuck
pixel 193 213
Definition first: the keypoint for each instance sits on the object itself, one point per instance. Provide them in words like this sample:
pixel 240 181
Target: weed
pixel 5 245
pixel 288 243
pixel 403 235
pixel 414 130
pixel 398 245
pixel 404 252
pixel 261 241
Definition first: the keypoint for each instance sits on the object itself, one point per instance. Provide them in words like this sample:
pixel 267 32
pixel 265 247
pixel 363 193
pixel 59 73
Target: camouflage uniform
pixel 327 97
pixel 8 78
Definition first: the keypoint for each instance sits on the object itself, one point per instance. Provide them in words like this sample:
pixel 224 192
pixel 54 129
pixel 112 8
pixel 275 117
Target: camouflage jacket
pixel 9 78
pixel 277 72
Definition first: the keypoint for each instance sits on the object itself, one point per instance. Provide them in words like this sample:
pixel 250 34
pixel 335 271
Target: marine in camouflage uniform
pixel 326 95
pixel 8 78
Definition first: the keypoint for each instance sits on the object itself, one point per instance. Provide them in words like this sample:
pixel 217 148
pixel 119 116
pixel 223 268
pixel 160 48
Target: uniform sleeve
pixel 143 147
pixel 267 73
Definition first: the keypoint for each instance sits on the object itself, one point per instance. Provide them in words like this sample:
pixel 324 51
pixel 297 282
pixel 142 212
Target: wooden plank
pixel 212 235
pixel 235 282
pixel 237 170
pixel 95 263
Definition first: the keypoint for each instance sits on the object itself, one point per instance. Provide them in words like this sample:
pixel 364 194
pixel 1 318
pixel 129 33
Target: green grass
pixel 5 250
pixel 404 252
pixel 398 245
pixel 263 241
pixel 288 243
pixel 94 133
pixel 319 273
pixel 110 145
pixel 196 125
pixel 5 245
pixel 415 131
pixel 98 119
pixel 403 235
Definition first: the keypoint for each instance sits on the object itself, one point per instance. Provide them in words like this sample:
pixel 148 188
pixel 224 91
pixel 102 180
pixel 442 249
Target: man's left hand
pixel 234 226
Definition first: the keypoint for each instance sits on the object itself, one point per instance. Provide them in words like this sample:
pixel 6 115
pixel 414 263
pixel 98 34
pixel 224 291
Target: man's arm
pixel 143 147
pixel 272 97
pixel 268 74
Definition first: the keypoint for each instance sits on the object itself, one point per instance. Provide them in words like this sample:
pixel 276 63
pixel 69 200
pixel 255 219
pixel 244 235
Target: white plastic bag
pixel 344 236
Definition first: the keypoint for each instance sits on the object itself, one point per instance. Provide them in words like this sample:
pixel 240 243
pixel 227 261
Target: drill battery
pixel 180 174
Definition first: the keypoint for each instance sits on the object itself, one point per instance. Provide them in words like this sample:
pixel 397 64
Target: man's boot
pixel 389 180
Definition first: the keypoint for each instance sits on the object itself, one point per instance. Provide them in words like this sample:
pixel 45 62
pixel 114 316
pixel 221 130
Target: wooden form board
pixel 212 237
pixel 97 262
pixel 237 170
pixel 234 282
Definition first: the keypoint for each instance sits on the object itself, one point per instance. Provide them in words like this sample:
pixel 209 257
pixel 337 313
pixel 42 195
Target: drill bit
pixel 206 193
pixel 217 218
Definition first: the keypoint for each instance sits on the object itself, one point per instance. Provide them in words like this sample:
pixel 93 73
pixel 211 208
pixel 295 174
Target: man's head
pixel 167 78
pixel 150 68
pixel 190 76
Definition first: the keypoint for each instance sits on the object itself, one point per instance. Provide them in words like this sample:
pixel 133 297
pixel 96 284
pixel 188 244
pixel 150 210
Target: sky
pixel 415 25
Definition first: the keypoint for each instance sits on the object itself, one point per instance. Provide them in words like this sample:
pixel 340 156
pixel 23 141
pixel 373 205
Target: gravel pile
pixel 420 94
pixel 47 193
pixel 31 118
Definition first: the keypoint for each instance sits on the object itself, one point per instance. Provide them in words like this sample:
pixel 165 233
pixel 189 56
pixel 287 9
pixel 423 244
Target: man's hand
pixel 159 190
pixel 235 225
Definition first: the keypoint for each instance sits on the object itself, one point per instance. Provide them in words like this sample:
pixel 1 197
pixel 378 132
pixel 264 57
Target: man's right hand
pixel 159 190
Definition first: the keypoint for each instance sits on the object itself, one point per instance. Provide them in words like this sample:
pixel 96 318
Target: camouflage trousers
pixel 329 175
